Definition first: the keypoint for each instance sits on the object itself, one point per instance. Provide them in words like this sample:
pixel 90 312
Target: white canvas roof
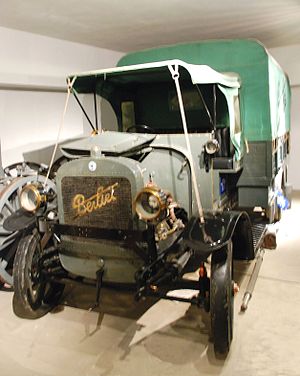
pixel 200 74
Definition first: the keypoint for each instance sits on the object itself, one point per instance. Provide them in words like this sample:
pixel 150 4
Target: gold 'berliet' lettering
pixel 104 196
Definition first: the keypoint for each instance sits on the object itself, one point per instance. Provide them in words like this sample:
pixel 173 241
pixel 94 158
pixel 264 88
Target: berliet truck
pixel 197 162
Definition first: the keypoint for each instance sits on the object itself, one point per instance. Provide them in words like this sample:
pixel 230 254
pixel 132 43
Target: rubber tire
pixel 222 299
pixel 53 294
pixel 23 304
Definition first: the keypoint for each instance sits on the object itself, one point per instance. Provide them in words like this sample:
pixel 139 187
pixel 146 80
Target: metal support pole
pixel 252 280
pixel 96 110
pixel 84 112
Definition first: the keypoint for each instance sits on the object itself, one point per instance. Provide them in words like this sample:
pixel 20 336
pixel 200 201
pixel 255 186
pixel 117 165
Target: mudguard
pixel 216 232
pixel 19 220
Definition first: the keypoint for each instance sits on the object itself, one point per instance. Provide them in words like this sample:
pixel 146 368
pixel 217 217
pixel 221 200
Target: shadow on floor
pixel 173 332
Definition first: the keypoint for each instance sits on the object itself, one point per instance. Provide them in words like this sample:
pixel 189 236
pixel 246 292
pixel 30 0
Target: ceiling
pixel 136 24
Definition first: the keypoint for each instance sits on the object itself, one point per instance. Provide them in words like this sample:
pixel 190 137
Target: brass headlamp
pixel 32 197
pixel 151 204
pixel 212 146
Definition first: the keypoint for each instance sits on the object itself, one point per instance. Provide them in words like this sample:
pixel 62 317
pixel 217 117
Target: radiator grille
pixel 103 202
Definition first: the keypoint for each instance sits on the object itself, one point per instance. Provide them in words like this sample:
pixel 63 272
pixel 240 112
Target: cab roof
pixel 156 71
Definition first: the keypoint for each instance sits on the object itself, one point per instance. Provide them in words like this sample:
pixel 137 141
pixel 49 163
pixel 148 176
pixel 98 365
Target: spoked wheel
pixel 34 296
pixel 221 299
pixel 9 204
pixel 24 169
pixel 6 264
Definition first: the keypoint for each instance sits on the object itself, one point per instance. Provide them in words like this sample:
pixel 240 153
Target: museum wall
pixel 32 89
pixel 289 59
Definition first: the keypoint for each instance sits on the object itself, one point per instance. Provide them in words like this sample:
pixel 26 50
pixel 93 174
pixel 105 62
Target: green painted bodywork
pixel 264 93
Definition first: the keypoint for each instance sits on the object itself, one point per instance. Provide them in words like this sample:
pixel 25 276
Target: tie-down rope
pixel 175 75
pixel 62 120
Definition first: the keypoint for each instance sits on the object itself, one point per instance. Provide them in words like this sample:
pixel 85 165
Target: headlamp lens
pixel 30 198
pixel 153 202
pixel 212 146
pixel 150 204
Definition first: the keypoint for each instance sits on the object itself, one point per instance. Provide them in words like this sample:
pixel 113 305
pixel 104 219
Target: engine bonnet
pixel 107 142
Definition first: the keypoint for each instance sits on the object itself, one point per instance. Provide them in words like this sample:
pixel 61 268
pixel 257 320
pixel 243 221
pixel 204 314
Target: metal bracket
pixel 252 280
pixel 99 277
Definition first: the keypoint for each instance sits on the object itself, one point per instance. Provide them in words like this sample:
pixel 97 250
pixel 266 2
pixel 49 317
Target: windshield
pixel 147 102
pixel 156 105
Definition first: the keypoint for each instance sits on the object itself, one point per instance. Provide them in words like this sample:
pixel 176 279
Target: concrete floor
pixel 165 338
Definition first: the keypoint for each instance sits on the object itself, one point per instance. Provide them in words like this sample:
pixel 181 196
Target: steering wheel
pixel 140 128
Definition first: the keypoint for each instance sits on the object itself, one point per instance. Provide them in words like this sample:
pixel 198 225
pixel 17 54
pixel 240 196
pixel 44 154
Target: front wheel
pixel 221 299
pixel 31 289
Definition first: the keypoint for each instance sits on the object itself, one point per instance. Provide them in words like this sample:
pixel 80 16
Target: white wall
pixel 289 59
pixel 30 118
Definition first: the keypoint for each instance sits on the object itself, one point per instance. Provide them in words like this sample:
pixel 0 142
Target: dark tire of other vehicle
pixel 33 296
pixel 221 299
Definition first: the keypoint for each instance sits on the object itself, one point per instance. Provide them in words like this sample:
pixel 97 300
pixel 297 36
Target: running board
pixel 258 232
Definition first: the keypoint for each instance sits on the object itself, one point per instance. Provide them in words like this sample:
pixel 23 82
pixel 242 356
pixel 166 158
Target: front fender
pixel 216 232
pixel 19 220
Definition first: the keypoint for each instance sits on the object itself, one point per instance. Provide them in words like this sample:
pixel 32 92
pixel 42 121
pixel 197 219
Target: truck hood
pixel 107 142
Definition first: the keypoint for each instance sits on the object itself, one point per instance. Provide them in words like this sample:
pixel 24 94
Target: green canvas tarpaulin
pixel 264 93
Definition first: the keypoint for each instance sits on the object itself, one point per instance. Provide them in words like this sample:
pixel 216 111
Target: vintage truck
pixel 197 161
